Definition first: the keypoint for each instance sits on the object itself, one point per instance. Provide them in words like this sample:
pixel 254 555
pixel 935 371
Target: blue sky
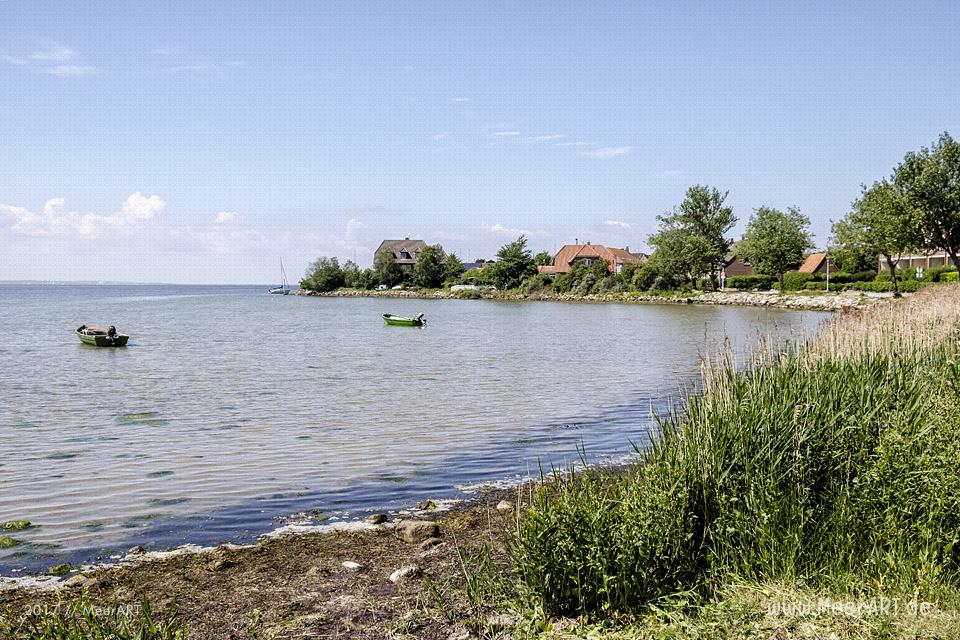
pixel 200 142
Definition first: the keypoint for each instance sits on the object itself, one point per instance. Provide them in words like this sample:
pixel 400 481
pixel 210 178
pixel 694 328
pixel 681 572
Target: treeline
pixel 917 209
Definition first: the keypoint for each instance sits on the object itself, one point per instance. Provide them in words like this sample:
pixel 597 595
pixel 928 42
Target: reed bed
pixel 830 463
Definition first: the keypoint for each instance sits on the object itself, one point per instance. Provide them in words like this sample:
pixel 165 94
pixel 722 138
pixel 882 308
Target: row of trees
pixel 917 208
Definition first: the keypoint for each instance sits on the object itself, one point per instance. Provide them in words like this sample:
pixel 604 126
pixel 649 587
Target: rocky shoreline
pixel 846 301
pixel 370 579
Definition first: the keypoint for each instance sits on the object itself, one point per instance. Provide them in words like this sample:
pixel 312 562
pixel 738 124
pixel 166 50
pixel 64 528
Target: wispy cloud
pixel 506 134
pixel 608 152
pixel 617 223
pixel 460 100
pixel 224 217
pixel 54 59
pixel 513 232
pixel 578 143
pixel 555 136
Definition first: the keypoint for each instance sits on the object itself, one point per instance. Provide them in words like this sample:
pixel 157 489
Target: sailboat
pixel 283 289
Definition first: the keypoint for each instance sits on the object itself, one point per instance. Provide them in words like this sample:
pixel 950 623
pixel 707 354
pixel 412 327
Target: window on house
pixel 405 255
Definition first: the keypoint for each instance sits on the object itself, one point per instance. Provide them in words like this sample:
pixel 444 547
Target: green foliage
pixel 936 274
pixel 514 263
pixel 453 269
pixel 642 278
pixel 366 279
pixel 584 279
pixel 540 283
pixel 794 280
pixel 429 271
pixel 389 273
pixel 543 259
pixel 930 182
pixel 853 258
pixel 750 283
pixel 351 274
pixel 950 276
pixel 692 240
pixel 775 241
pixel 83 620
pixel 482 277
pixel 821 465
pixel 324 274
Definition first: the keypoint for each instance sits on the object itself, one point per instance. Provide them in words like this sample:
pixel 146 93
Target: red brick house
pixel 570 254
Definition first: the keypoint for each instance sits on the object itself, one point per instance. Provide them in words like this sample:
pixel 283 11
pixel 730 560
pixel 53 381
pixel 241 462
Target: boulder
pixel 376 518
pixel 416 531
pixel 503 505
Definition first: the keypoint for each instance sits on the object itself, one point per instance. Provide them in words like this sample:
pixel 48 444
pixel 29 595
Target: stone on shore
pixel 80 581
pixel 376 518
pixel 408 571
pixel 416 531
pixel 137 550
pixel 350 565
pixel 504 506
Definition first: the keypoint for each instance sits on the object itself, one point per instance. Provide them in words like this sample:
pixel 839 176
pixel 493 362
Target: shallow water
pixel 231 406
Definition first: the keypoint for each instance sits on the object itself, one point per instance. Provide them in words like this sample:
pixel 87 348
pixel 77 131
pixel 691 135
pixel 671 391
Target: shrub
pixel 644 277
pixel 815 286
pixel 877 286
pixel 935 274
pixel 750 283
pixel 795 280
pixel 537 283
pixel 950 276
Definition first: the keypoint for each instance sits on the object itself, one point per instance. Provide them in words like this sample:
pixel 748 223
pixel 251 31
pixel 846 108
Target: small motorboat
pixel 402 321
pixel 99 337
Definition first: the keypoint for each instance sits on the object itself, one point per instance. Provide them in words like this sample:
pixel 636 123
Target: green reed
pixel 833 462
pixel 81 619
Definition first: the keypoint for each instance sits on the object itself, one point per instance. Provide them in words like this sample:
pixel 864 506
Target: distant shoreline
pixel 846 301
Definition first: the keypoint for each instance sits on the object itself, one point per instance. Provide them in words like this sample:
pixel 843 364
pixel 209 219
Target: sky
pixel 203 142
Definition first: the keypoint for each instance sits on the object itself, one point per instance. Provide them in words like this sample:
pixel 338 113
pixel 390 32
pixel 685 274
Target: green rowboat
pixel 401 321
pixel 99 338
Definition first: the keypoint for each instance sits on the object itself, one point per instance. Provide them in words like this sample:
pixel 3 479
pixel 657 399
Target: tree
pixel 513 264
pixel 702 215
pixel 351 274
pixel 680 256
pixel 930 180
pixel 543 259
pixel 453 269
pixel 428 272
pixel 389 273
pixel 367 279
pixel 880 223
pixel 323 274
pixel 775 242
pixel 851 258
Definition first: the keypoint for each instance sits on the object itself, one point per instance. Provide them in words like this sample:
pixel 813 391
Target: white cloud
pixel 513 232
pixel 505 134
pixel 460 100
pixel 53 220
pixel 54 53
pixel 70 70
pixel 226 216
pixel 556 136
pixel 608 152
pixel 617 223
pixel 54 59
pixel 578 143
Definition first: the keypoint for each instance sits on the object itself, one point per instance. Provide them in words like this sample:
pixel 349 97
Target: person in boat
pixel 420 319
pixel 112 332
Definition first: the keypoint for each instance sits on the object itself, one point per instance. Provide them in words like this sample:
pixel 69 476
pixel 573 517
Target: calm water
pixel 230 407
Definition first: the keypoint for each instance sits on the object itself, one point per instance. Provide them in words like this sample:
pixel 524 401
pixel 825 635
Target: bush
pixel 935 274
pixel 537 283
pixel 815 286
pixel 750 283
pixel 950 276
pixel 795 280
pixel 877 286
pixel 644 277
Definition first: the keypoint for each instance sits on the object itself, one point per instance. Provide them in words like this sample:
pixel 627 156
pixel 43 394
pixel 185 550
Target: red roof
pixel 813 263
pixel 570 253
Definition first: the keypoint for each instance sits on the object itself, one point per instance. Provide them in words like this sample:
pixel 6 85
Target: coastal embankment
pixel 845 301
pixel 813 494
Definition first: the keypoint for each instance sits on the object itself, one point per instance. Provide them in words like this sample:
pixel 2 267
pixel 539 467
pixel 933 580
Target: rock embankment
pixel 846 301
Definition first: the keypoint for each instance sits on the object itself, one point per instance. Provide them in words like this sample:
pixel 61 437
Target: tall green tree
pixel 351 274
pixel 775 241
pixel 702 215
pixel 428 272
pixel 543 259
pixel 879 223
pixel 389 273
pixel 453 269
pixel 514 263
pixel 323 274
pixel 680 256
pixel 930 180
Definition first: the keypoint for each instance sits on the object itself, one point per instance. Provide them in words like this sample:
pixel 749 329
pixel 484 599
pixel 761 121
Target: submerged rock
pixel 427 505
pixel 416 531
pixel 16 525
pixel 7 542
pixel 61 569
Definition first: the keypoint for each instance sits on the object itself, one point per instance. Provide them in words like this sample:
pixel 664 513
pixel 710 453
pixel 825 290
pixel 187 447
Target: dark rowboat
pixel 401 321
pixel 99 337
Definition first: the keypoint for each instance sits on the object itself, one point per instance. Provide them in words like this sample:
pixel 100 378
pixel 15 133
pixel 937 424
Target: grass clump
pixel 831 464
pixel 82 620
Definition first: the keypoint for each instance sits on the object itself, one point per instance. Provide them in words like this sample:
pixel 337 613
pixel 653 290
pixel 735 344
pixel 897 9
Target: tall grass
pixel 833 462
pixel 83 620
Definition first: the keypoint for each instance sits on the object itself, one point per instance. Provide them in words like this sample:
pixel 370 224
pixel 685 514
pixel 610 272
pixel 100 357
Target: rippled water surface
pixel 230 407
